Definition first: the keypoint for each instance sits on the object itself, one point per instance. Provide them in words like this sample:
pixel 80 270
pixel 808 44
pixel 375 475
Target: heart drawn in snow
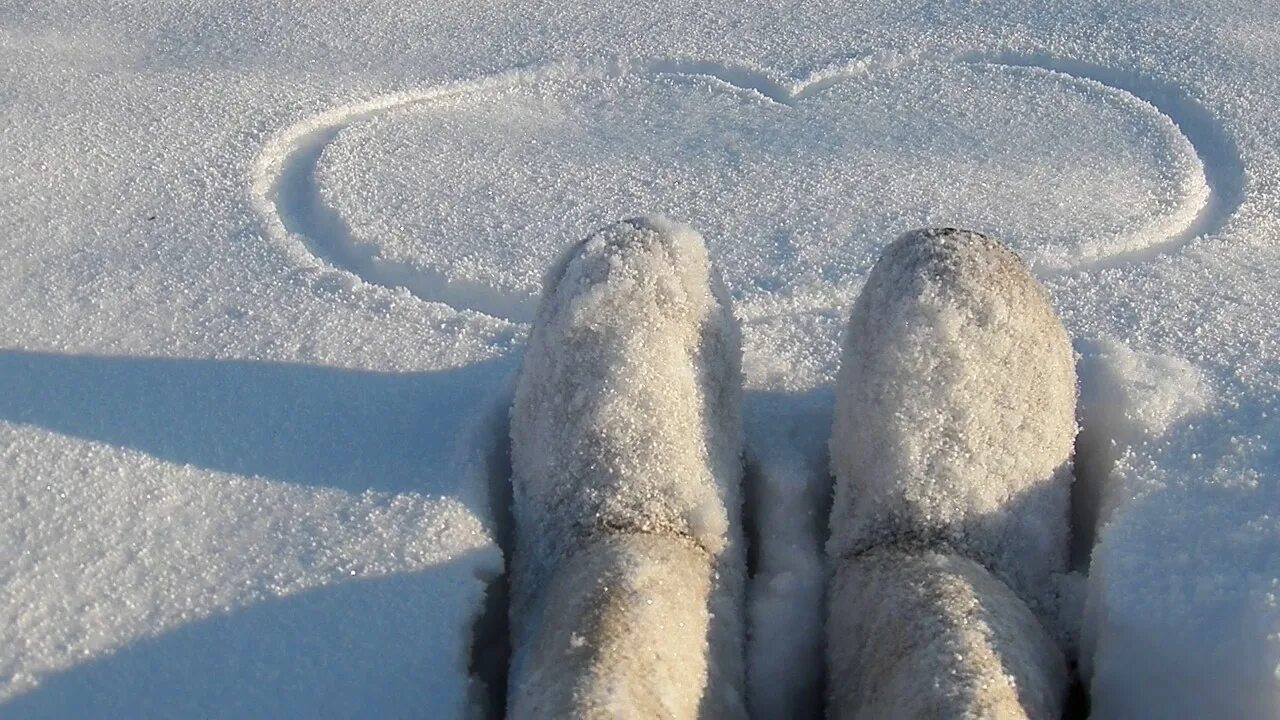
pixel 464 194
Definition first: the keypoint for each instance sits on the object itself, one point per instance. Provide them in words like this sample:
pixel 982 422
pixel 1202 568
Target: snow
pixel 626 447
pixel 601 142
pixel 1173 470
pixel 787 494
pixel 268 266
pixel 206 565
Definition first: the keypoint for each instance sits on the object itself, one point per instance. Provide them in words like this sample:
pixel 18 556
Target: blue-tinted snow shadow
pixel 387 648
pixel 320 426
pixel 361 648
pixel 1181 614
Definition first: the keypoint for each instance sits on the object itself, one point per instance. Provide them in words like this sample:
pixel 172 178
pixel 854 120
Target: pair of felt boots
pixel 951 447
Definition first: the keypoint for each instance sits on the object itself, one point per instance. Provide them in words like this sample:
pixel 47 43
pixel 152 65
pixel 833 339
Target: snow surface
pixel 237 538
pixel 601 142
pixel 268 265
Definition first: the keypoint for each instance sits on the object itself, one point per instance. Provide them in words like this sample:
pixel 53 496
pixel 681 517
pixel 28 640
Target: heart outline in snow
pixel 285 194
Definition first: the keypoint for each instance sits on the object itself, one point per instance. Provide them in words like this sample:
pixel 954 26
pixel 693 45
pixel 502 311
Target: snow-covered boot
pixel 951 445
pixel 628 573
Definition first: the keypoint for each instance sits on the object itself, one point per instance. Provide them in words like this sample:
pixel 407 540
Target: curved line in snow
pixel 286 195
pixel 1219 158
